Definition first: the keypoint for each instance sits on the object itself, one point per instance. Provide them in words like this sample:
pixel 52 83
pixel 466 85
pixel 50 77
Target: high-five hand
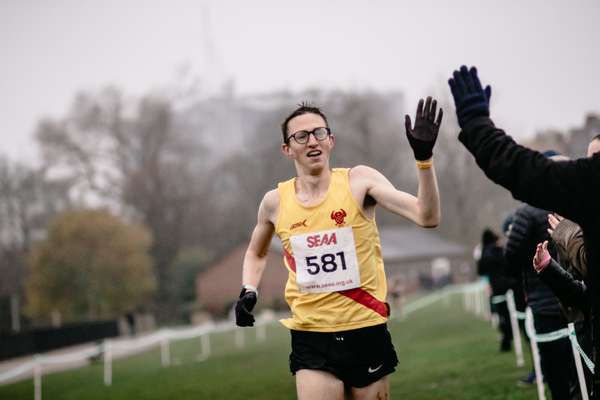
pixel 470 98
pixel 422 138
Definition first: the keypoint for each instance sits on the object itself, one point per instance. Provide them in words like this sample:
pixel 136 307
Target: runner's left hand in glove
pixel 422 138
pixel 244 307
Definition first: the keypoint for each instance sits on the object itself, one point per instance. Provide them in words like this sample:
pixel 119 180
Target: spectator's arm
pixel 568 237
pixel 562 186
pixel 570 292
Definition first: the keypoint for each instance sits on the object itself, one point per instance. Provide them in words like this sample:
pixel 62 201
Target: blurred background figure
pixel 397 293
pixel 492 265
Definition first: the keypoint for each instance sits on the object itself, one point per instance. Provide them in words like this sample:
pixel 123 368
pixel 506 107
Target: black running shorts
pixel 357 357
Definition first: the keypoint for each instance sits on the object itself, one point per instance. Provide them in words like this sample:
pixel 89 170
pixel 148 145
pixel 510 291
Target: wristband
pixel 250 288
pixel 424 164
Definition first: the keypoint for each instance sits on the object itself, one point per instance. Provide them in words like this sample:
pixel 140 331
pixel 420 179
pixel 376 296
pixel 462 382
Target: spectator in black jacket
pixel 566 275
pixel 530 227
pixel 493 265
pixel 570 188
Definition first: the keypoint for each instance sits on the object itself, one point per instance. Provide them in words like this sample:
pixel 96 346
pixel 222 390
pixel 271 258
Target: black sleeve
pixel 570 292
pixel 569 187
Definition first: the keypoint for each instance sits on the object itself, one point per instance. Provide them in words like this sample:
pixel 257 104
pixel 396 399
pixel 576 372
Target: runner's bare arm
pixel 255 258
pixel 423 210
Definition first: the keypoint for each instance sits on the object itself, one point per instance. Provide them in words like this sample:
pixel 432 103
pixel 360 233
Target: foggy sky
pixel 541 57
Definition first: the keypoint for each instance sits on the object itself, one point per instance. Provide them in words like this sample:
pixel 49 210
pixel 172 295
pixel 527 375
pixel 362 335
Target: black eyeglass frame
pixel 308 135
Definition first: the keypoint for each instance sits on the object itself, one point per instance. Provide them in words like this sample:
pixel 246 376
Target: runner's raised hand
pixel 423 136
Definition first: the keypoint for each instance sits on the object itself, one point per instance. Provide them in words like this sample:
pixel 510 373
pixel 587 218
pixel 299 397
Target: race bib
pixel 326 261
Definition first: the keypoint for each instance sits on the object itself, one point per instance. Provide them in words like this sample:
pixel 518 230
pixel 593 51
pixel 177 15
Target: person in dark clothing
pixel 569 188
pixel 493 265
pixel 566 275
pixel 520 304
pixel 529 227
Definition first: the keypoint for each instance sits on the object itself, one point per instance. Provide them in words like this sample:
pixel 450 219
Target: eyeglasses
pixel 301 137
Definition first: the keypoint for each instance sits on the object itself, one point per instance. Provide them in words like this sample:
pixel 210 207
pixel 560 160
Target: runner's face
pixel 593 148
pixel 314 154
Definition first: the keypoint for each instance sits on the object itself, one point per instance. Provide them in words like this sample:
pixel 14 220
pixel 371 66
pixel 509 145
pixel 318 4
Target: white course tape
pixel 588 362
pixel 70 357
pixel 15 372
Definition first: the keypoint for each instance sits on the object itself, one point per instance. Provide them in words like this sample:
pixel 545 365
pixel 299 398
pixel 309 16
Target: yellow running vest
pixel 332 251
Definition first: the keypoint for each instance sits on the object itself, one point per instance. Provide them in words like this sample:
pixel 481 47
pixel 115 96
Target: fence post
pixel 239 338
pixel 484 300
pixel 165 352
pixel 107 362
pixel 578 366
pixel 514 324
pixel 37 378
pixel 529 326
pixel 261 332
pixel 205 343
pixel 477 302
pixel 446 299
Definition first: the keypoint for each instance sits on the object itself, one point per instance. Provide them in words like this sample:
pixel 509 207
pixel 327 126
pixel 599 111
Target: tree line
pixel 137 195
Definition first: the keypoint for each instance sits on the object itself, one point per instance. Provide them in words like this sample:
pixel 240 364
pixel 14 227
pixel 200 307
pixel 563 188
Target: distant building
pixel 418 257
pixel 574 143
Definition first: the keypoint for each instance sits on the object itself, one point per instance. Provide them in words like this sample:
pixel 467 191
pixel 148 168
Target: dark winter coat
pixel 570 188
pixel 571 292
pixel 565 276
pixel 530 227
pixel 493 265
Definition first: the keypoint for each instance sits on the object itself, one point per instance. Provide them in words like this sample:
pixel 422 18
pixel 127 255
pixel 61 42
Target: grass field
pixel 444 352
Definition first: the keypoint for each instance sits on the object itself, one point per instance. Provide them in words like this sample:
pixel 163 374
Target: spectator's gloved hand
pixel 243 308
pixel 470 99
pixel 541 259
pixel 422 138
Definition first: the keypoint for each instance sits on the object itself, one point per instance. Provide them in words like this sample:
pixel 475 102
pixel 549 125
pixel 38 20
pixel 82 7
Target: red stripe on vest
pixel 365 298
pixel 290 260
pixel 359 295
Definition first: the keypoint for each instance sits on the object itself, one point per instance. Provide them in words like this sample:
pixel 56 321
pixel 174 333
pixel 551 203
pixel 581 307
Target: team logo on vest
pixel 338 216
pixel 298 225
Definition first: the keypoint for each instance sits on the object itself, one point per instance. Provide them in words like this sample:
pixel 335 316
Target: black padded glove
pixel 470 99
pixel 243 308
pixel 423 136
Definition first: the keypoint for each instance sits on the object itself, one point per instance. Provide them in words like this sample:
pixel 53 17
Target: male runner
pixel 337 287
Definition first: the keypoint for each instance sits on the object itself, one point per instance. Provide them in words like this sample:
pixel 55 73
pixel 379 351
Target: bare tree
pixel 28 199
pixel 133 156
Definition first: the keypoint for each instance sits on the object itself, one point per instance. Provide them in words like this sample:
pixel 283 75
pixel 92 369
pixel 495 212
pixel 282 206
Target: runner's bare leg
pixel 379 390
pixel 313 384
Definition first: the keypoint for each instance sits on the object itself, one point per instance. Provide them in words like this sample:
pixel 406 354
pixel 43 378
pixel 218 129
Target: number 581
pixel 328 263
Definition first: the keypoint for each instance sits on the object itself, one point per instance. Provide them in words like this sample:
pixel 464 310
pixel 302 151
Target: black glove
pixel 243 308
pixel 470 99
pixel 423 137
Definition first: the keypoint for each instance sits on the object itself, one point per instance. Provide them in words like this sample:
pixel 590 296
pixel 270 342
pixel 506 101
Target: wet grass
pixel 444 352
